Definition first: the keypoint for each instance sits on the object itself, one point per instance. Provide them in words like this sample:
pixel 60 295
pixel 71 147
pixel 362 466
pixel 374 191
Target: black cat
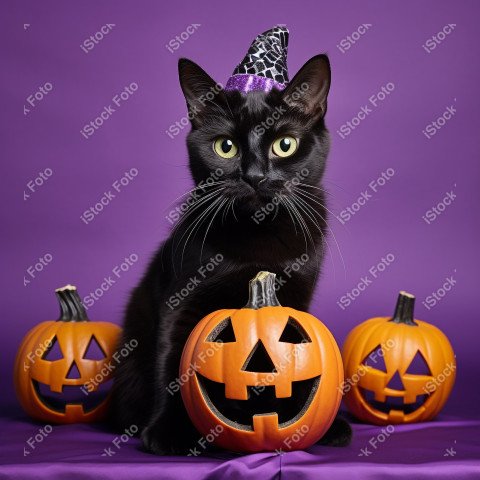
pixel 257 160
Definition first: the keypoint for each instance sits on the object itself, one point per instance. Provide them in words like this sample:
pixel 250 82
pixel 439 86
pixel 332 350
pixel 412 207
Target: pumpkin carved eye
pixel 294 333
pixel 53 352
pixel 375 359
pixel 223 332
pixel 94 351
pixel 418 365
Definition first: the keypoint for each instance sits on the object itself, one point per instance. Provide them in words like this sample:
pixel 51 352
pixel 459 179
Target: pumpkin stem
pixel 404 309
pixel 71 307
pixel 262 291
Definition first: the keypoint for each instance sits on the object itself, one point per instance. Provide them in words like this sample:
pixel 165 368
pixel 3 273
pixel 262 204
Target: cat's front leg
pixel 171 431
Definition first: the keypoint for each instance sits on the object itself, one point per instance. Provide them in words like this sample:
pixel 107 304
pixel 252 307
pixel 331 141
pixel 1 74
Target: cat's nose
pixel 254 178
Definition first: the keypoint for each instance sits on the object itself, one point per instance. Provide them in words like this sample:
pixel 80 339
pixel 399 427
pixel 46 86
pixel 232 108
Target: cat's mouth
pixel 393 403
pixel 71 395
pixel 261 401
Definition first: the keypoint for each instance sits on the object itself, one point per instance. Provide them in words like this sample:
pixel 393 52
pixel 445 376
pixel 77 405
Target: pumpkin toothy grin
pixel 261 401
pixel 71 395
pixel 393 403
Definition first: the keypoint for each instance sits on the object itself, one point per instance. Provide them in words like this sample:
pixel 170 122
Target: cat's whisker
pixel 335 185
pixel 187 214
pixel 327 225
pixel 276 212
pixel 289 212
pixel 225 200
pixel 306 209
pixel 196 227
pixel 203 187
pixel 312 186
pixel 294 200
pixel 297 215
pixel 226 210
pixel 233 208
pixel 195 207
pixel 212 198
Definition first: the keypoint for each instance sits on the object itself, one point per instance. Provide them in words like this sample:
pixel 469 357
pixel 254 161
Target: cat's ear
pixel 200 90
pixel 309 88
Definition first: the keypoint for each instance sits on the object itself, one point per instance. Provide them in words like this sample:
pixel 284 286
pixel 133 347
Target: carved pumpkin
pixel 397 369
pixel 59 369
pixel 261 378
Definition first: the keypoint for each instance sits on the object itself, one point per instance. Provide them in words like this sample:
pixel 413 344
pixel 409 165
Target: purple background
pixel 41 43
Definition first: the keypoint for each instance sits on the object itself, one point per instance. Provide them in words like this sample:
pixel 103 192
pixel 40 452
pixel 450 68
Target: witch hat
pixel 265 64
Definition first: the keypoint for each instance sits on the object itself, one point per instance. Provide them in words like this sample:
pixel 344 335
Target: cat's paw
pixel 338 435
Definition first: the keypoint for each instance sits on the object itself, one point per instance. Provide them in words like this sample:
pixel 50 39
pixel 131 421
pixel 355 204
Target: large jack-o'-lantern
pixel 397 369
pixel 261 378
pixel 63 368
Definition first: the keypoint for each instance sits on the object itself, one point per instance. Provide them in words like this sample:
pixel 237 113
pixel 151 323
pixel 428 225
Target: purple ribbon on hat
pixel 248 83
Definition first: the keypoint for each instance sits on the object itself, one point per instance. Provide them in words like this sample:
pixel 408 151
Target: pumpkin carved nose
pixel 396 382
pixel 259 360
pixel 73 372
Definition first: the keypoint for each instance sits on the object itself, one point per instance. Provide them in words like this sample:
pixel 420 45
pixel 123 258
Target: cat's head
pixel 255 144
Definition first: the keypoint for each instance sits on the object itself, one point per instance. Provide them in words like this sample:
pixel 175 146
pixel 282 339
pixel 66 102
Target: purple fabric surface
pixel 448 448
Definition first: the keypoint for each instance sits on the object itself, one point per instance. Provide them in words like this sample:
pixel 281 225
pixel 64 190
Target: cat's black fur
pixel 254 178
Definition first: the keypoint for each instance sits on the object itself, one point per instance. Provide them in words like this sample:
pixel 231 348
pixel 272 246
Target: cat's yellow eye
pixel 284 146
pixel 225 147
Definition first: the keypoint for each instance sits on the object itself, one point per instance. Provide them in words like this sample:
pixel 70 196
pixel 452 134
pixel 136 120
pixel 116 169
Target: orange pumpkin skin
pixel 73 338
pixel 223 363
pixel 400 342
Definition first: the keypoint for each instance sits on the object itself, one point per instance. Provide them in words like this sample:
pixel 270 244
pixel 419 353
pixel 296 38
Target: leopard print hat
pixel 265 64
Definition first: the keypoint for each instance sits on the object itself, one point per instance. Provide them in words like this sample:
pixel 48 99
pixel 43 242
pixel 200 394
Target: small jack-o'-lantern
pixel 397 369
pixel 261 378
pixel 62 372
